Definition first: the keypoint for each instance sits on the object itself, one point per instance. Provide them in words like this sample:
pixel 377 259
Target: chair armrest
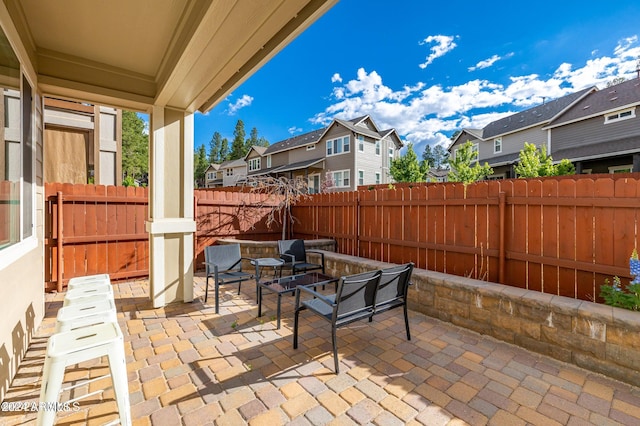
pixel 321 253
pixel 317 295
pixel 288 258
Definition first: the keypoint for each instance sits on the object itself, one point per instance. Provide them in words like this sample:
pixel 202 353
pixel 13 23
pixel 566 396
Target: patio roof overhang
pixel 168 58
pixel 183 54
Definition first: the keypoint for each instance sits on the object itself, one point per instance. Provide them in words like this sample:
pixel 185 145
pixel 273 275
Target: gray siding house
pixel 597 130
pixel 340 157
pixel 601 132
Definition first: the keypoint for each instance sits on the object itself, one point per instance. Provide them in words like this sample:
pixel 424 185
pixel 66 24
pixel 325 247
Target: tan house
pixel 167 58
pixel 339 157
pixel 227 173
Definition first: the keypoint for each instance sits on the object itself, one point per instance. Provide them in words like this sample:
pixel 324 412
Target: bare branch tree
pixel 283 193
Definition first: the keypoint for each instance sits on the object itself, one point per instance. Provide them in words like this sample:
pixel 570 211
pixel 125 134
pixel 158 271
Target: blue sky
pixel 429 68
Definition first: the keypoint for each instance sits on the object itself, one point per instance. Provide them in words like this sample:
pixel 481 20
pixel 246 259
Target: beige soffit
pixel 185 54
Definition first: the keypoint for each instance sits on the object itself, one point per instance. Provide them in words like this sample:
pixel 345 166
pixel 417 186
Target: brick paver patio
pixel 189 366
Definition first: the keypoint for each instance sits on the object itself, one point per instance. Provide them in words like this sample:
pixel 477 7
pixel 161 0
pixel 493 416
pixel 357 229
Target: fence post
pixel 59 242
pixel 501 257
pixel 358 221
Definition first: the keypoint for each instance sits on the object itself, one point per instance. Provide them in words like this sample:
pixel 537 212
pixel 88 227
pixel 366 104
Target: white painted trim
pixel 11 254
pixel 187 271
pixel 157 287
pixel 188 136
pixel 156 182
pixel 170 226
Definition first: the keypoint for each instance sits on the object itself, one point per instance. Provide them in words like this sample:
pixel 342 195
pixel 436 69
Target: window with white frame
pixel 254 164
pixel 360 143
pixel 360 177
pixel 211 175
pixel 341 179
pixel 229 172
pixel 620 115
pixel 627 168
pixel 338 146
pixel 378 178
pixel 17 156
pixel 377 147
pixel 268 161
pixel 391 152
pixel 497 145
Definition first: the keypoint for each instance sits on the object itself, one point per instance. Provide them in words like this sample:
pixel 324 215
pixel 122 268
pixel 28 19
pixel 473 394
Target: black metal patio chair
pixel 354 300
pixel 294 255
pixel 224 264
pixel 392 291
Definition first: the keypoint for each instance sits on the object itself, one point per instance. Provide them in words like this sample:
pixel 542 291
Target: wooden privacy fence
pixel 562 236
pixel 93 229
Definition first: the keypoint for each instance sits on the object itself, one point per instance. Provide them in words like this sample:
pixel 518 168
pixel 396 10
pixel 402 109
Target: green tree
pixel 461 169
pixel 218 148
pixel 135 147
pixel 428 160
pixel 200 165
pixel 238 146
pixel 407 168
pixel 440 157
pixel 535 162
pixel 565 167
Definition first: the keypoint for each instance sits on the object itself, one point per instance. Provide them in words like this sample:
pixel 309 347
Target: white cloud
pixel 485 64
pixel 336 78
pixel 293 130
pixel 428 114
pixel 443 44
pixel 244 101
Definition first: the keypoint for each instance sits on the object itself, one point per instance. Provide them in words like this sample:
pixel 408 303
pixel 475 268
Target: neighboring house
pixel 340 157
pixel 213 176
pixel 227 173
pixel 597 130
pixel 82 143
pixel 437 175
pixel 187 57
pixel 601 132
pixel 499 143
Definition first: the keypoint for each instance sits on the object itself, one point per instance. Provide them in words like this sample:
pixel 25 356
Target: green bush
pixel 615 295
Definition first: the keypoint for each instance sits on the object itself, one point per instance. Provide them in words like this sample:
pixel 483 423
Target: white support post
pixel 171 224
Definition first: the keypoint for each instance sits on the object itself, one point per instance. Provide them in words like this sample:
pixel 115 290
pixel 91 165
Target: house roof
pixel 539 114
pixel 621 95
pixel 502 159
pixel 287 167
pixel 438 173
pixel 294 142
pixel 258 149
pixel 233 163
pixel 475 133
pixel 184 54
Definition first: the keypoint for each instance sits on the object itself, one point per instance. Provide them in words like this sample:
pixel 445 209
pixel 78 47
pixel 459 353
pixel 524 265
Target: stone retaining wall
pixel 596 337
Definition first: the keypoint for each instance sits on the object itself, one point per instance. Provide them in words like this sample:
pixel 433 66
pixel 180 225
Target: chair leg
pixel 206 289
pixel 215 284
pixel 406 320
pixel 295 328
pixel 239 285
pixel 335 349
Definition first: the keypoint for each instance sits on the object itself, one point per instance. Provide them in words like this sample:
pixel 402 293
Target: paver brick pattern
pixel 190 366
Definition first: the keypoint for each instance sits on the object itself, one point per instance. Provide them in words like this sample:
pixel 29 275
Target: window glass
pixel 360 143
pixel 377 147
pixel 16 172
